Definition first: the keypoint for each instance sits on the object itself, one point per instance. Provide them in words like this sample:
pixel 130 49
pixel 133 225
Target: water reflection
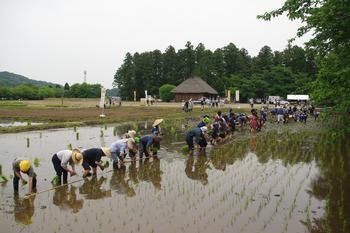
pixel 332 185
pixel 92 189
pixel 149 171
pixel 196 168
pixel 120 183
pixel 24 209
pixel 66 199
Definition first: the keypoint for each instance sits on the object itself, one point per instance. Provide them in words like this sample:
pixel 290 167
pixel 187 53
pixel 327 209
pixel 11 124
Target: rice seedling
pixel 101 133
pixel 70 147
pixel 28 143
pixel 36 162
pixel 75 129
pixel 115 131
pixel 29 123
pixel 77 135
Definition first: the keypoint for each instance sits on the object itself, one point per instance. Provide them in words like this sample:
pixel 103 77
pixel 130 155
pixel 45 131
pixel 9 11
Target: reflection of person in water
pixel 92 188
pixel 119 182
pixel 197 170
pixel 67 200
pixel 150 171
pixel 24 209
pixel 133 173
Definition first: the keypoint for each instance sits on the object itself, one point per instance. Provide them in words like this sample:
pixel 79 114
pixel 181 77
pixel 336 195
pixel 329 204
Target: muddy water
pixel 286 180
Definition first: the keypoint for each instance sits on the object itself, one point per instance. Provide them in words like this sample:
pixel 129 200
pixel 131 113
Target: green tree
pixel 265 59
pixel 124 78
pixel 165 92
pixel 329 23
pixel 66 86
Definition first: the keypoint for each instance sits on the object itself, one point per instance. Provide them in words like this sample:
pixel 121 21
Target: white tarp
pixel 298 97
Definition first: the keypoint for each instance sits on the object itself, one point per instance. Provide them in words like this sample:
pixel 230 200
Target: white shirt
pixel 66 157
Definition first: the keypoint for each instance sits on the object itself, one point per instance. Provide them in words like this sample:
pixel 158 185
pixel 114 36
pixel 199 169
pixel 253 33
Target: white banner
pixel 237 95
pixel 103 96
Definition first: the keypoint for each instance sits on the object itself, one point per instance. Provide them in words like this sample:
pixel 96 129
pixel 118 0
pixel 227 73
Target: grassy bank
pixel 78 112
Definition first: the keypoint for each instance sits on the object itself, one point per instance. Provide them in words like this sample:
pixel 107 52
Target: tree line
pixel 229 68
pixel 31 92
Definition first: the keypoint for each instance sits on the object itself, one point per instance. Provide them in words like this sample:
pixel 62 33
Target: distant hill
pixel 10 80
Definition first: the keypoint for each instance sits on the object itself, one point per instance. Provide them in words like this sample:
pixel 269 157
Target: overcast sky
pixel 56 40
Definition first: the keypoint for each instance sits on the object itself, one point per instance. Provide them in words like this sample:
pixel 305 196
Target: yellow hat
pixel 107 151
pixel 77 157
pixel 24 165
pixel 157 122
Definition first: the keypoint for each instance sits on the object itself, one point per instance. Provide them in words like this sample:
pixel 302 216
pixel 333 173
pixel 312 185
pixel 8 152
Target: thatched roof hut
pixel 194 88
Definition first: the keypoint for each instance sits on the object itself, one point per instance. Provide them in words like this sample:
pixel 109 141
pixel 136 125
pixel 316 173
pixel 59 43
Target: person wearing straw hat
pixel 60 162
pixel 146 144
pixel 130 134
pixel 120 148
pixel 92 158
pixel 22 165
pixel 156 126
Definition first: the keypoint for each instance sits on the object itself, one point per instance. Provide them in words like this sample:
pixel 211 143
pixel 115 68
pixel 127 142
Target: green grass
pixel 12 104
pixel 56 106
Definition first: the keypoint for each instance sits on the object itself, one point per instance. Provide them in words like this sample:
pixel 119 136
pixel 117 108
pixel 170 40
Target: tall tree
pixel 264 60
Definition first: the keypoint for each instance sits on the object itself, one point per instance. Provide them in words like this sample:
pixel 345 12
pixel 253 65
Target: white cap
pixel 204 129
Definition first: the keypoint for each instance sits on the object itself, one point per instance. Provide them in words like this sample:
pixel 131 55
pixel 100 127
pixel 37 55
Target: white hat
pixel 204 129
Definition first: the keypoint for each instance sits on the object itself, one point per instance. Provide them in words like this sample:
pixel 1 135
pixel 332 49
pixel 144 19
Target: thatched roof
pixel 194 85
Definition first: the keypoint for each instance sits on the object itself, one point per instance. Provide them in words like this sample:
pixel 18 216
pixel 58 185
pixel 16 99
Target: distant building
pixel 193 88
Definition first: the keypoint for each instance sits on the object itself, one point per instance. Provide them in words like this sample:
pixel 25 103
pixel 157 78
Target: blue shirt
pixel 147 140
pixel 196 133
pixel 119 146
pixel 201 124
pixel 155 130
pixel 280 111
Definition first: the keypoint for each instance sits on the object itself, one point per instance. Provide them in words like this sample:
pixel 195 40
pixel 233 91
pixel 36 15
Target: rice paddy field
pixel 287 178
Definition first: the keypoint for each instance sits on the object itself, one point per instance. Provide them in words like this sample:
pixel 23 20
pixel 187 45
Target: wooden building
pixel 193 88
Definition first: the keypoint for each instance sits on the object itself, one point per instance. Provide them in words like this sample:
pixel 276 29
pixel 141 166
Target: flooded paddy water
pixel 290 178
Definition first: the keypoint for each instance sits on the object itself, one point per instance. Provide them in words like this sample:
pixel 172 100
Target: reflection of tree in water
pixel 332 185
pixel 67 200
pixel 228 154
pixel 24 209
pixel 120 183
pixel 92 188
pixel 196 170
pixel 149 171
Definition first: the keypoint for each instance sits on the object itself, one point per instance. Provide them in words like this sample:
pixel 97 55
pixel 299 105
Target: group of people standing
pixel 65 161
pixel 284 114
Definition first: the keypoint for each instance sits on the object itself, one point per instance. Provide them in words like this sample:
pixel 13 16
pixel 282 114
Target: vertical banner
pixel 237 95
pixel 229 95
pixel 135 96
pixel 103 96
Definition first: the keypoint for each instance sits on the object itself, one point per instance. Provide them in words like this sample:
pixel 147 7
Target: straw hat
pixel 131 144
pixel 131 133
pixel 77 157
pixel 107 151
pixel 157 122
